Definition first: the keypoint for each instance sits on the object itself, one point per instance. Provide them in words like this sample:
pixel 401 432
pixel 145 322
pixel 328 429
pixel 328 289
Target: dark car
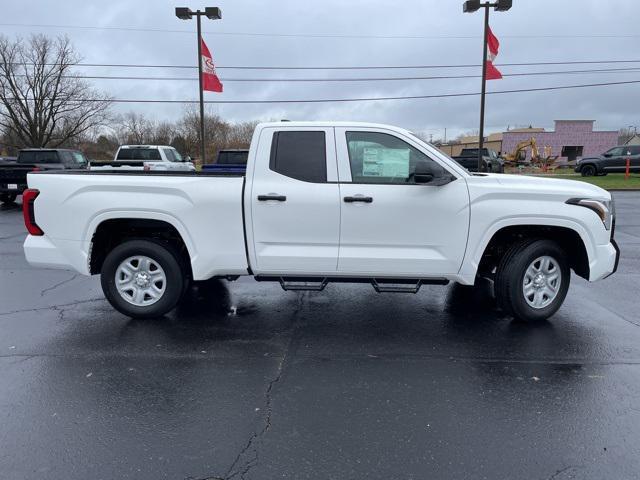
pixel 613 160
pixel 13 173
pixel 229 161
pixel 468 158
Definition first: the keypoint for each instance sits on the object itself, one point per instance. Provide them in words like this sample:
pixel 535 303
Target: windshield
pixel 79 158
pixel 172 155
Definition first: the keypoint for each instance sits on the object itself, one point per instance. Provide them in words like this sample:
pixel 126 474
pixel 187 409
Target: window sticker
pixel 386 162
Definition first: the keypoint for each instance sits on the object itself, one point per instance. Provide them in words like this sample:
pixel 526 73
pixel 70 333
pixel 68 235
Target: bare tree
pixel 42 102
pixel 134 128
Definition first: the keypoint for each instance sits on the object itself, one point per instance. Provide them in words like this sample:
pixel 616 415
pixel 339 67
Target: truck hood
pixel 526 184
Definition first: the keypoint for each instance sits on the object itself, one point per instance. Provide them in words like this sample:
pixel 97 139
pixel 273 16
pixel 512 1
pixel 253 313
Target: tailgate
pixel 13 178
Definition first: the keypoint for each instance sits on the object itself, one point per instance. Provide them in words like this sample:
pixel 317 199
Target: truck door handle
pixel 358 198
pixel 277 198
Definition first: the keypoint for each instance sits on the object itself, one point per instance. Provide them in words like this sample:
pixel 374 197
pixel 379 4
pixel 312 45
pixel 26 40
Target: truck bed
pixel 204 208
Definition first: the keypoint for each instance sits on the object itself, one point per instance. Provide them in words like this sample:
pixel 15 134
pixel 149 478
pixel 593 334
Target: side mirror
pixel 423 173
pixel 607 155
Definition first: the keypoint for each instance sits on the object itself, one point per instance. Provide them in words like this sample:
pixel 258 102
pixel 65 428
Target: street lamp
pixel 471 6
pixel 212 13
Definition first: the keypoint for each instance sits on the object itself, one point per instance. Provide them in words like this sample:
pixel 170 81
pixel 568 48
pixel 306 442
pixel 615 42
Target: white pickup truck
pixel 146 157
pixel 319 203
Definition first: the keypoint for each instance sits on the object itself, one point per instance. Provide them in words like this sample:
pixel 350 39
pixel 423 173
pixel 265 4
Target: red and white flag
pixel 492 52
pixel 210 80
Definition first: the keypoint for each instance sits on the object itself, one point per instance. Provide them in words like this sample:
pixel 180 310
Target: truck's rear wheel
pixel 532 280
pixel 8 197
pixel 142 278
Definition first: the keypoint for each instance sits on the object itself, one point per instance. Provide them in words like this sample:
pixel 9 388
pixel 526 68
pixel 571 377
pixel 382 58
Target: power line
pixel 316 35
pixel 366 99
pixel 359 79
pixel 369 67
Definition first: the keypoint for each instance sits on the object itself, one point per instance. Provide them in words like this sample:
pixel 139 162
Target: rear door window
pixel 299 155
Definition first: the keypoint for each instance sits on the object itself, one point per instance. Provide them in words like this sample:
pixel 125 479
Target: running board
pixel 381 285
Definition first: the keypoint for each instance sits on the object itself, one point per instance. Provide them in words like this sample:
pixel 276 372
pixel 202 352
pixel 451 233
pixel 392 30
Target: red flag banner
pixel 492 52
pixel 210 80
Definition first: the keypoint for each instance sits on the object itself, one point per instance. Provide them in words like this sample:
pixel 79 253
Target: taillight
pixel 35 169
pixel 28 211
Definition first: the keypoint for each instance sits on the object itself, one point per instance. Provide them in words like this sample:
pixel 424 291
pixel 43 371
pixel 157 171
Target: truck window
pixel 27 157
pixel 138 154
pixel 146 154
pixel 172 155
pixel 37 156
pixel 232 158
pixel 382 158
pixel 79 158
pixel 299 155
pixel 125 154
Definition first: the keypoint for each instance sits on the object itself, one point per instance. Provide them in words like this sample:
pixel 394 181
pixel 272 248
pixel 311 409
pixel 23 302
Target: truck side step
pixel 384 287
pixel 306 285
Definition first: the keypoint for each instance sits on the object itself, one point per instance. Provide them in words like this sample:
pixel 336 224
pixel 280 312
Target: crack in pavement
pixel 51 307
pixel 252 442
pixel 562 470
pixel 59 284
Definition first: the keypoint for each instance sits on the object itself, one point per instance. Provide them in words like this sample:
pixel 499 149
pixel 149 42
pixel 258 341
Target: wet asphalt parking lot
pixel 247 381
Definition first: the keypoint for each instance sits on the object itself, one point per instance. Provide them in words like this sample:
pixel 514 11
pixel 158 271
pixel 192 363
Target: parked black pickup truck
pixel 13 173
pixel 613 160
pixel 468 158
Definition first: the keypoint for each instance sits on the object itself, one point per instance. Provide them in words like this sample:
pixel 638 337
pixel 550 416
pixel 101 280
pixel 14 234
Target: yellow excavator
pixel 519 153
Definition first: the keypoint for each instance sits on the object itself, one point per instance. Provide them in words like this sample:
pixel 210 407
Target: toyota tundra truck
pixel 321 203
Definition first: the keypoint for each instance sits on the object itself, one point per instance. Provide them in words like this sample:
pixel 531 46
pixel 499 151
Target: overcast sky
pixel 299 33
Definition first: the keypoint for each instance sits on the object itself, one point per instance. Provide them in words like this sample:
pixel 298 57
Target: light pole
pixel 471 6
pixel 212 13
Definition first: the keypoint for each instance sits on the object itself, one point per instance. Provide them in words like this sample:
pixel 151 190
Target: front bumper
pixel 605 261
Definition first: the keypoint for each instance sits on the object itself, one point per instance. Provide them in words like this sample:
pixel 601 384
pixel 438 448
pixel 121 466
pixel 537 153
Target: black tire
pixel 489 168
pixel 164 256
pixel 588 170
pixel 8 197
pixel 510 276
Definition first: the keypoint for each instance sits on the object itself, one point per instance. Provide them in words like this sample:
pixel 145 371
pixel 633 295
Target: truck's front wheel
pixel 142 278
pixel 532 280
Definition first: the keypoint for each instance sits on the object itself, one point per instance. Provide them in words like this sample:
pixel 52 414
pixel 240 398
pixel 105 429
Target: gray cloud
pixel 612 107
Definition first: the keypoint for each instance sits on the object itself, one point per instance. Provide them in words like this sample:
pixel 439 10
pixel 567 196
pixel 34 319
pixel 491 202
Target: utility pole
pixel 471 6
pixel 212 13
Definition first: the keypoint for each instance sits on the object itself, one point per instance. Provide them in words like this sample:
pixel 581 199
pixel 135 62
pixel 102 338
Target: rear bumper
pixel 43 252
pixel 605 261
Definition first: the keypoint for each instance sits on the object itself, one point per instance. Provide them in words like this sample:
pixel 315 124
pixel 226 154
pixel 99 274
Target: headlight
pixel 605 209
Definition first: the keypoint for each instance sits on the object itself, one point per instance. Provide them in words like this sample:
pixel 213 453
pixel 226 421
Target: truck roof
pixel 146 146
pixel 326 124
pixel 48 150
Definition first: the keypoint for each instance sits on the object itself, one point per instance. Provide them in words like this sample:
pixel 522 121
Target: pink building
pixel 571 139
